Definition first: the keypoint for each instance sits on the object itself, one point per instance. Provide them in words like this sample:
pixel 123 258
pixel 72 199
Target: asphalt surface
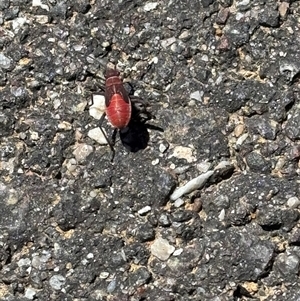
pixel 201 201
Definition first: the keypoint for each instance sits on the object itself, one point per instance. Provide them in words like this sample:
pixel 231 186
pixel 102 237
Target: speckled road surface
pixel 201 202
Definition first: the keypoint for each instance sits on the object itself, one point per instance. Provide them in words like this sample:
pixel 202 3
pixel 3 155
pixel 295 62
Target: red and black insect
pixel 120 112
pixel 117 104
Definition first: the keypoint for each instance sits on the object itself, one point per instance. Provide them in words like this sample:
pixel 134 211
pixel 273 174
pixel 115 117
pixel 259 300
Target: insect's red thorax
pixel 118 111
pixel 113 80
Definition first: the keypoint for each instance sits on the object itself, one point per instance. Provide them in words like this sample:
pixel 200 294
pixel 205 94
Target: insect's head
pixel 111 72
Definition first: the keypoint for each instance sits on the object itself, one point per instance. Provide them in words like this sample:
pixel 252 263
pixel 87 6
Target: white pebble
pixel 183 152
pixel 223 164
pixel 150 6
pixel 172 166
pixel 155 162
pixel 34 135
pixel 57 281
pixel 242 3
pixel 82 151
pixel 30 293
pixel 64 125
pixel 222 215
pixel 154 60
pixel 104 275
pixel 162 148
pixel 80 107
pixel 178 252
pixel 71 164
pixel 56 103
pixel 97 135
pixel 39 3
pixel 241 139
pixel 178 203
pixel 192 185
pixel 167 42
pixel 293 202
pixel 18 23
pixel 24 262
pixel 203 166
pixel 111 286
pixel 42 19
pixel 162 249
pixel 144 210
pixel 5 62
pixel 98 107
pixel 181 169
pixel 196 95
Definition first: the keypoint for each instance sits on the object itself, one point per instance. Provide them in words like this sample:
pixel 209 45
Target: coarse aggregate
pixel 220 79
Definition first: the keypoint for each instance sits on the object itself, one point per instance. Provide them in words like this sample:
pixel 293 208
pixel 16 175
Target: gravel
pixel 201 201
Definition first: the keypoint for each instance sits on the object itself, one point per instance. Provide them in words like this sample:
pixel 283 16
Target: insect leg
pixel 105 136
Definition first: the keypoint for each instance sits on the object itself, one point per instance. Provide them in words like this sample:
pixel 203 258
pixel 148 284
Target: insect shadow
pixel 135 136
pixel 126 113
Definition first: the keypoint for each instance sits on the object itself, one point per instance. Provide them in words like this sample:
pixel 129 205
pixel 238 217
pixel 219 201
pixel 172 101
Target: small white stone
pixel 84 261
pixel 178 203
pixel 181 169
pixel 30 293
pixel 150 6
pixel 168 42
pixel 185 34
pixel 97 135
pixel 242 3
pixel 155 162
pixel 178 252
pixel 57 281
pixel 82 151
pixel 34 135
pixel 223 164
pixel 192 185
pixel 80 107
pixel 40 4
pixel 42 19
pixel 241 139
pixel 104 275
pixel 162 148
pixel 172 166
pixel 71 164
pixel 144 210
pixel 98 107
pixel 239 16
pixel 105 44
pixel 18 23
pixel 222 215
pixel 154 60
pixel 293 202
pixel 93 193
pixel 90 256
pixel 5 62
pixel 191 103
pixel 182 152
pixel 111 286
pixel 64 125
pixel 203 166
pixel 126 30
pixel 56 103
pixel 162 249
pixel 196 95
pixel 78 48
pixel 24 262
